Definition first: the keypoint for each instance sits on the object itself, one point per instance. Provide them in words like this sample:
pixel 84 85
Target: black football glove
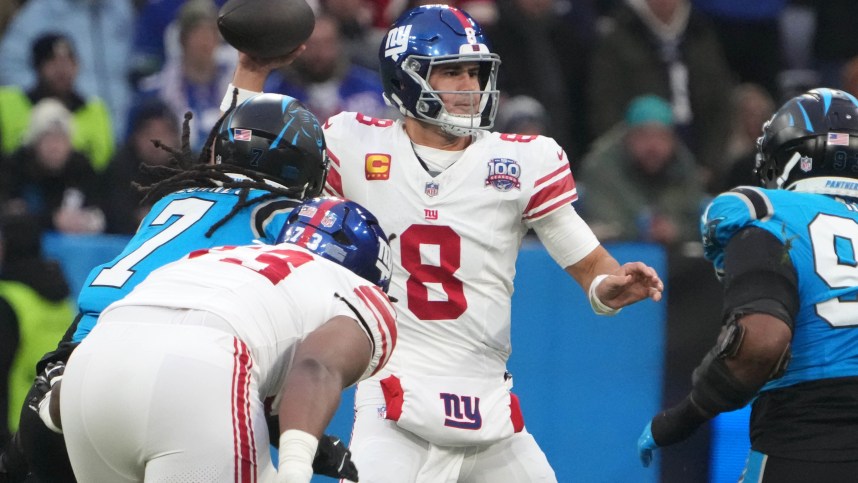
pixel 40 401
pixel 334 459
pixel 44 382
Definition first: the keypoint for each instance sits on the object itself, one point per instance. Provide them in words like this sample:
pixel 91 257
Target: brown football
pixel 266 28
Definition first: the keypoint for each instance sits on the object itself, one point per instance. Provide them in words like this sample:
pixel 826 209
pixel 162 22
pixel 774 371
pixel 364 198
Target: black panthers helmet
pixel 811 144
pixel 278 137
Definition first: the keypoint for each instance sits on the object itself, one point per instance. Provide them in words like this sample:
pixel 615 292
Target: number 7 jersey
pixel 457 234
pixel 176 225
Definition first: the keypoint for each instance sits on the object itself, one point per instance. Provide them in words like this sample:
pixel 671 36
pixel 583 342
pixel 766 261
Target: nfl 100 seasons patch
pixel 504 174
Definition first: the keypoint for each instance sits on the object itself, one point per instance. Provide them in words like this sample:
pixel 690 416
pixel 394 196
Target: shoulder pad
pixel 728 213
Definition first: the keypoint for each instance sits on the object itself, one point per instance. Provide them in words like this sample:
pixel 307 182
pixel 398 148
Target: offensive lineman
pixel 173 382
pixel 246 195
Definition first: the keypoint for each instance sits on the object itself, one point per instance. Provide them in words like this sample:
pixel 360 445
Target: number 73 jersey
pixel 820 234
pixel 457 234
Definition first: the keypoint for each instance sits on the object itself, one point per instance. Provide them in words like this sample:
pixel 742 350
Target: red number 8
pixel 449 244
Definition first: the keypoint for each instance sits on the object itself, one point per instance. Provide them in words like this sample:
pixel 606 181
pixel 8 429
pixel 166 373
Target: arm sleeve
pixel 759 276
pixel 565 235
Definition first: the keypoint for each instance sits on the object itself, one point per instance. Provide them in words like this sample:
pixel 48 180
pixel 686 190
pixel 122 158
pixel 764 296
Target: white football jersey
pixel 457 234
pixel 271 296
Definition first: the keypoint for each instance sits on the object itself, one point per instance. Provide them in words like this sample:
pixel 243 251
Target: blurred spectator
pixel 34 312
pixel 521 115
pixel 544 47
pixel 156 36
pixel 150 121
pixel 850 76
pixel 835 39
pixel 8 9
pixel 639 182
pixel 195 80
pixel 797 26
pixel 752 106
pixel 48 179
pixel 56 65
pixel 359 38
pixel 326 81
pixel 101 33
pixel 663 47
pixel 384 12
pixel 749 32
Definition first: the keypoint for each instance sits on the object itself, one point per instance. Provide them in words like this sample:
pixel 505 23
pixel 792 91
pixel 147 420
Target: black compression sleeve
pixel 759 276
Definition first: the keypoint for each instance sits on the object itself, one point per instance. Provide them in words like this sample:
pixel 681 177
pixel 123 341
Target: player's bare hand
pixel 266 65
pixel 251 72
pixel 632 282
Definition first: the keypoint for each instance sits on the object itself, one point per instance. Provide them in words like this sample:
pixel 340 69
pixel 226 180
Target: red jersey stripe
pixel 385 320
pixel 553 174
pixel 560 188
pixel 244 442
pixel 334 181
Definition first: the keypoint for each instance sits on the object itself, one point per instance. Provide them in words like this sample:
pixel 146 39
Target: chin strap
pixel 789 166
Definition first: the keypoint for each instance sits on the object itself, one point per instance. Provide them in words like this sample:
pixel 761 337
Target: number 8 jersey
pixel 457 234
pixel 821 236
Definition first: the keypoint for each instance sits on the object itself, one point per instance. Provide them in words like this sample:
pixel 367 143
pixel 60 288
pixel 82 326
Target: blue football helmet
pixel 343 232
pixel 278 137
pixel 423 38
pixel 811 144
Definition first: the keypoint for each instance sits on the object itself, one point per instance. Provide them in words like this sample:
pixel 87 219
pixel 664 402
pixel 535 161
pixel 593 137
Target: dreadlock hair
pixel 184 172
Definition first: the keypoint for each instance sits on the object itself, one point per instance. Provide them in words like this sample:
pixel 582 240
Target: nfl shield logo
pixel 805 163
pixel 329 219
pixel 431 189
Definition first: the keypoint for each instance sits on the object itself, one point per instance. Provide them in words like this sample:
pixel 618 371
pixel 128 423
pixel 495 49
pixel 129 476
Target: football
pixel 266 28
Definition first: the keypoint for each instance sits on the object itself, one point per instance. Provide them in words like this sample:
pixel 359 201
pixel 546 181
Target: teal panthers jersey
pixel 175 226
pixel 820 233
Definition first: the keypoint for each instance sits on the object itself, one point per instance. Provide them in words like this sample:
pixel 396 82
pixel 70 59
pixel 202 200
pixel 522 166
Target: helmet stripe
pixel 276 141
pixel 826 100
pixel 315 220
pixel 806 117
pixel 461 17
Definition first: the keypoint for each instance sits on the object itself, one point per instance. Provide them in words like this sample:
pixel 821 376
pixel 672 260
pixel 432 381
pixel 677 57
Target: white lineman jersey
pixel 457 233
pixel 171 383
pixel 271 297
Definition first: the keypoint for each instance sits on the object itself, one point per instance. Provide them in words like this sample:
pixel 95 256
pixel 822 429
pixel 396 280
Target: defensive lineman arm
pixel 760 304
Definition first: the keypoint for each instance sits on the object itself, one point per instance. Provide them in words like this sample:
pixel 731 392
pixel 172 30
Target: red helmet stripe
pixel 461 17
pixel 322 209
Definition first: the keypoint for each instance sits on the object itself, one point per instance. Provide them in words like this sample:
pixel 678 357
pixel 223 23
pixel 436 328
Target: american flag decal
pixel 838 139
pixel 242 134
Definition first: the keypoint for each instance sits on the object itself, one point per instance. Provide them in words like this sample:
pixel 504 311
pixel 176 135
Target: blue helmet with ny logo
pixel 424 38
pixel 345 233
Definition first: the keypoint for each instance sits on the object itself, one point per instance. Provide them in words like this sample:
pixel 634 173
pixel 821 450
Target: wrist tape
pixel 599 307
pixel 297 451
pixel 45 413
